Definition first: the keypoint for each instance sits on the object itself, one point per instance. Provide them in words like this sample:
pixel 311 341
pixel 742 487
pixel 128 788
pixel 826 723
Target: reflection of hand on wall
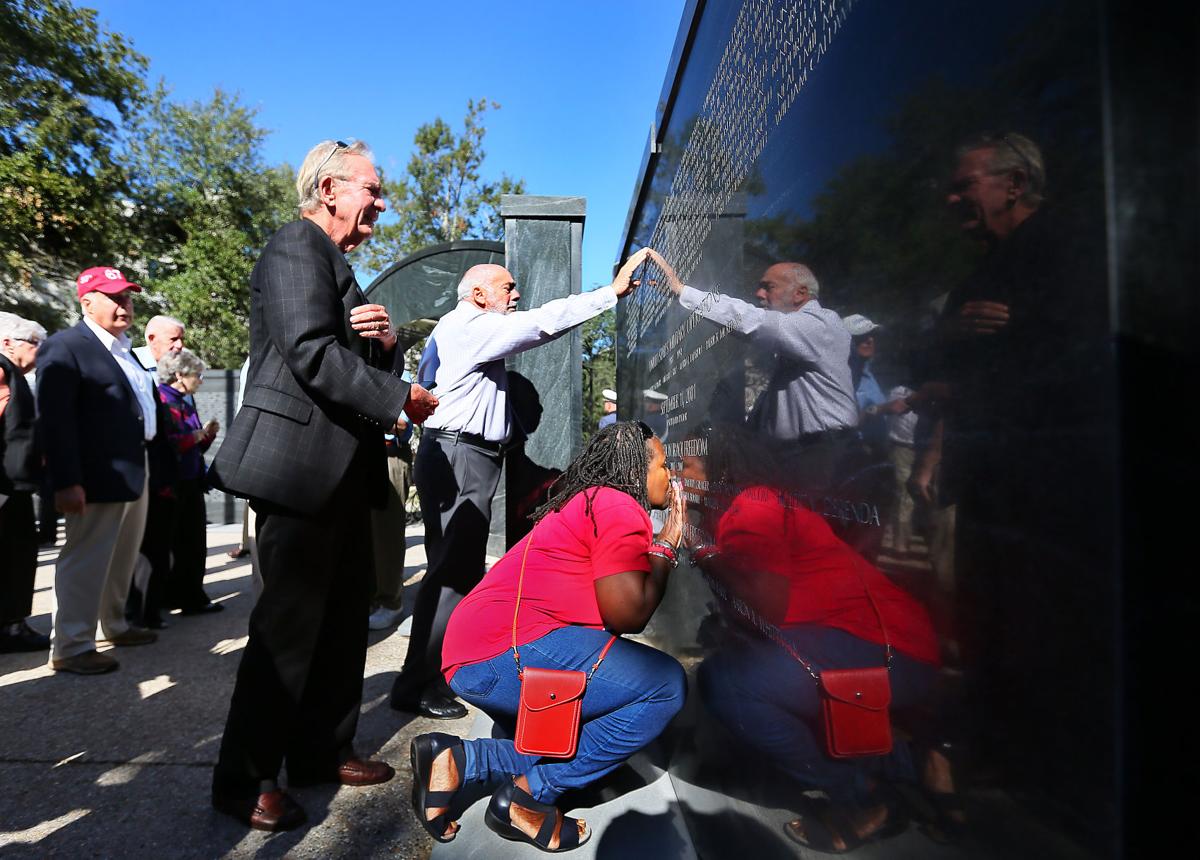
pixel 673 283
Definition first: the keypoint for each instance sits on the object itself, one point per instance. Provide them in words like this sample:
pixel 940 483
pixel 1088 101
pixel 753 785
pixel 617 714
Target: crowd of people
pixel 110 437
pixel 771 515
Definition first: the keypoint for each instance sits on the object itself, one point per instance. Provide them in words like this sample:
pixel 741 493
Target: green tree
pixel 599 366
pixel 442 196
pixel 62 195
pixel 207 195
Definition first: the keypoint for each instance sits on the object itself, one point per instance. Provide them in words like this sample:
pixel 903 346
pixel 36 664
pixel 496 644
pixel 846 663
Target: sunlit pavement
pixel 119 765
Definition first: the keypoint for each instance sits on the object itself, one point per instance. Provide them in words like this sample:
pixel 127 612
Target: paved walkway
pixel 119 765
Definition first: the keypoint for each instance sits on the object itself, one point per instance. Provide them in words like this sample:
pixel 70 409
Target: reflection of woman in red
pixel 798 590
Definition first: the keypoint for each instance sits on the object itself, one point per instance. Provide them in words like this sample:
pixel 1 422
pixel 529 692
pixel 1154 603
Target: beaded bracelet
pixel 664 550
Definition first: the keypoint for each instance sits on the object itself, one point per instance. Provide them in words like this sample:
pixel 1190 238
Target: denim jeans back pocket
pixel 475 680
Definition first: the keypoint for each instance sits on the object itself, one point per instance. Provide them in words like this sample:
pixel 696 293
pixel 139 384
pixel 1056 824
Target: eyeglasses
pixel 338 145
pixel 32 341
pixel 374 190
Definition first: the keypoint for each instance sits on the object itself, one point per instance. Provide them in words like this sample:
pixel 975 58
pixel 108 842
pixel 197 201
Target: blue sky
pixel 578 81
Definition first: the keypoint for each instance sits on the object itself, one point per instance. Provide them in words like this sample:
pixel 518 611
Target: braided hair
pixel 615 457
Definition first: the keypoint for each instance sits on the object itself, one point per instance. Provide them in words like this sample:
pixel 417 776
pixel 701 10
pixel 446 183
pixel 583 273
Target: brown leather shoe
pixel 271 811
pixel 360 771
pixel 134 636
pixel 355 771
pixel 87 663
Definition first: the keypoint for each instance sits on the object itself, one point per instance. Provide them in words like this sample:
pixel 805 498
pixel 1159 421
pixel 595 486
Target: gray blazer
pixel 316 389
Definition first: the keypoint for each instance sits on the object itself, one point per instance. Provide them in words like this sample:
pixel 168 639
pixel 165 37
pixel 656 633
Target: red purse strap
pixel 775 636
pixel 517 609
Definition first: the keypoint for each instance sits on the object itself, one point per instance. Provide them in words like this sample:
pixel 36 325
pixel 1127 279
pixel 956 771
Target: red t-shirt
pixel 786 563
pixel 566 558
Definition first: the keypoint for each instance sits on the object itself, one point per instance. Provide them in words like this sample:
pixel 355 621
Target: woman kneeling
pixel 590 565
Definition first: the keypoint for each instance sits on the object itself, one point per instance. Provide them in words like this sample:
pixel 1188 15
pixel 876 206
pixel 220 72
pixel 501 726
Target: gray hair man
pixel 20 478
pixel 459 457
pixel 305 450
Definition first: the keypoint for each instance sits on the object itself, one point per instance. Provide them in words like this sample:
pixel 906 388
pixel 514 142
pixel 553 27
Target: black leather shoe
pixel 202 609
pixel 432 704
pixel 154 622
pixel 20 637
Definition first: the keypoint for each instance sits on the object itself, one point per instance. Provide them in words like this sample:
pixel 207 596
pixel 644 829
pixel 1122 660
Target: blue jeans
pixel 766 699
pixel 629 701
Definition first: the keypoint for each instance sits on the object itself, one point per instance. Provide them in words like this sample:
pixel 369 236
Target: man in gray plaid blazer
pixel 307 450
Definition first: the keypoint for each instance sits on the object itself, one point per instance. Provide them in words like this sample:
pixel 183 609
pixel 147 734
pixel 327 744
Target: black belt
pixel 828 435
pixel 472 439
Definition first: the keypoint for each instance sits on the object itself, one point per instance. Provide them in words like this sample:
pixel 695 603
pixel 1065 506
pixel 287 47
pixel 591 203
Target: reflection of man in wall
pixel 809 399
pixel 610 409
pixel 1024 456
pixel 652 412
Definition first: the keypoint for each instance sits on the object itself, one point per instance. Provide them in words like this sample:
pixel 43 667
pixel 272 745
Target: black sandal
pixel 948 825
pixel 499 820
pixel 422 752
pixel 833 823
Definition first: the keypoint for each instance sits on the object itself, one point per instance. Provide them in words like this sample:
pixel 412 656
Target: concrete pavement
pixel 119 765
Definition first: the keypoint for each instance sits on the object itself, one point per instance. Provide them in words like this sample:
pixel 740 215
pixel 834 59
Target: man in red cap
pixel 96 414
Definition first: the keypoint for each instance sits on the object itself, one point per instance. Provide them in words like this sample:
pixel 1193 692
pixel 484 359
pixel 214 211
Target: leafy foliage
pixel 599 336
pixel 442 196
pixel 209 203
pixel 63 83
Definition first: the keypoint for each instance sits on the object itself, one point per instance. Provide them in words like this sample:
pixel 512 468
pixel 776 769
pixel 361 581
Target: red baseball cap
pixel 104 279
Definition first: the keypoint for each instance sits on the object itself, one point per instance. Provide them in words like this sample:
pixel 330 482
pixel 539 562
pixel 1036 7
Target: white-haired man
pixel 304 448
pixel 809 400
pixel 20 478
pixel 459 457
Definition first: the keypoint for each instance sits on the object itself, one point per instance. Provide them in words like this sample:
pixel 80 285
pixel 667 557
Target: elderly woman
pixel 590 568
pixel 180 374
pixel 20 476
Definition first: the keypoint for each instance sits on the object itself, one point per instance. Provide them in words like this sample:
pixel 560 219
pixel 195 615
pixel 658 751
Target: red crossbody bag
pixel 855 702
pixel 551 699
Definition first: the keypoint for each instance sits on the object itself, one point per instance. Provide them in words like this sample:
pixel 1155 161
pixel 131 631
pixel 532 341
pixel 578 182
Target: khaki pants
pixel 93 574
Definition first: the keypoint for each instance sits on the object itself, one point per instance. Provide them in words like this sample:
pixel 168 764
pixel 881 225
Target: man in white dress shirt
pixel 462 448
pixel 809 401
pixel 96 413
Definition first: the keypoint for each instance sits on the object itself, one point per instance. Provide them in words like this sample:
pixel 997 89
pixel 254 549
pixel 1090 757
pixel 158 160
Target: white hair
pixel 477 276
pixel 185 362
pixel 802 276
pixel 327 158
pixel 162 319
pixel 14 327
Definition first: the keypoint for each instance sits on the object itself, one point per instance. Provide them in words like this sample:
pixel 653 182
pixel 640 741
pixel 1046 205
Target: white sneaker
pixel 383 618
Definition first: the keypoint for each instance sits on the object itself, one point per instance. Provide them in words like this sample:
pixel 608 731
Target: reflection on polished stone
pixel 877 340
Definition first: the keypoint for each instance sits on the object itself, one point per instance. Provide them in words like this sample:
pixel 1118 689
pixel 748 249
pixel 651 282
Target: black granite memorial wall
pixel 899 379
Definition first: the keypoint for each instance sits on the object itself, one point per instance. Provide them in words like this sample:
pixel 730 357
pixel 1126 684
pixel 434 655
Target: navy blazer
pixel 89 421
pixel 317 391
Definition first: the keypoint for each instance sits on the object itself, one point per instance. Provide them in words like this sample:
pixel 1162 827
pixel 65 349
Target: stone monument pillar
pixel 543 243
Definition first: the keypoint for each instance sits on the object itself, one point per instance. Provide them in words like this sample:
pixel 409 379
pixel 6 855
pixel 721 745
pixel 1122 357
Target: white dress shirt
pixel 811 389
pixel 466 351
pixel 120 348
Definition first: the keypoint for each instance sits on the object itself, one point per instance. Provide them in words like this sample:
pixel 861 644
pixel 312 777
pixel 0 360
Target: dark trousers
pixel 764 697
pixel 299 685
pixel 47 527
pixel 18 557
pixel 188 546
pixel 156 547
pixel 456 483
